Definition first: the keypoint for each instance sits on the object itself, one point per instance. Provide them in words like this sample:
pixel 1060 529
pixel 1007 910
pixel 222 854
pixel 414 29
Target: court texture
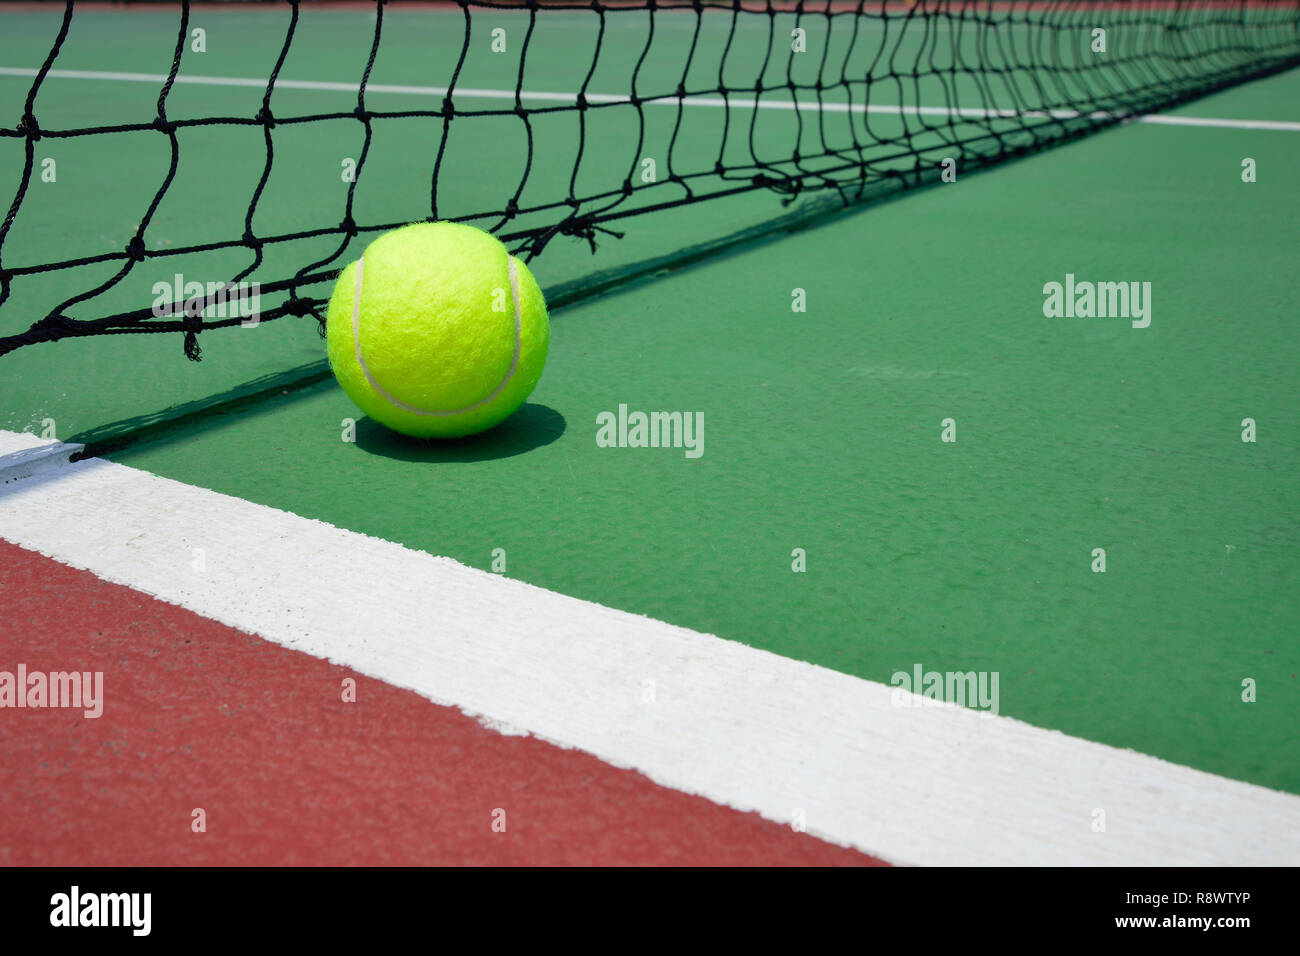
pixel 913 478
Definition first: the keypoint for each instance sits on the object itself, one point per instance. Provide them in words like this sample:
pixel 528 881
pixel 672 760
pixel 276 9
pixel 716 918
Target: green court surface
pixel 823 428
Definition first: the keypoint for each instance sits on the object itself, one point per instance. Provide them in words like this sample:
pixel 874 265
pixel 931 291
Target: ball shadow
pixel 532 426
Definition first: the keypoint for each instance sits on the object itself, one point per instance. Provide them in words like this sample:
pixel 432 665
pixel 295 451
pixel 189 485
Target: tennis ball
pixel 437 331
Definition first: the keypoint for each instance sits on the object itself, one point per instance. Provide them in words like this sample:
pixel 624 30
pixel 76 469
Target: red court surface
pixel 198 715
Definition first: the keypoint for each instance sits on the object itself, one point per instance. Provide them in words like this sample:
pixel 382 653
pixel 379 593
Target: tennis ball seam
pixel 513 273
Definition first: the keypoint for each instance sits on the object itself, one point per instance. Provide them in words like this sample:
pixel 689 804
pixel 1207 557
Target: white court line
pixel 1223 123
pixel 739 726
pixel 712 102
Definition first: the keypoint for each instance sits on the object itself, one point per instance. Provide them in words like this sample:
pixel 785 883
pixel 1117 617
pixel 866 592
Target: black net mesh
pixel 713 100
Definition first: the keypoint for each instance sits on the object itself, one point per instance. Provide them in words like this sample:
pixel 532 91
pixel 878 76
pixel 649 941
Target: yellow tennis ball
pixel 437 331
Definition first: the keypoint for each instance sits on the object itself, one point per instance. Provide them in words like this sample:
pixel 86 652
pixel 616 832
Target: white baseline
pixel 742 727
pixel 708 102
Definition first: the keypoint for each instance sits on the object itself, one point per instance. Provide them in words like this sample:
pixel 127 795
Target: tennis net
pixel 544 120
